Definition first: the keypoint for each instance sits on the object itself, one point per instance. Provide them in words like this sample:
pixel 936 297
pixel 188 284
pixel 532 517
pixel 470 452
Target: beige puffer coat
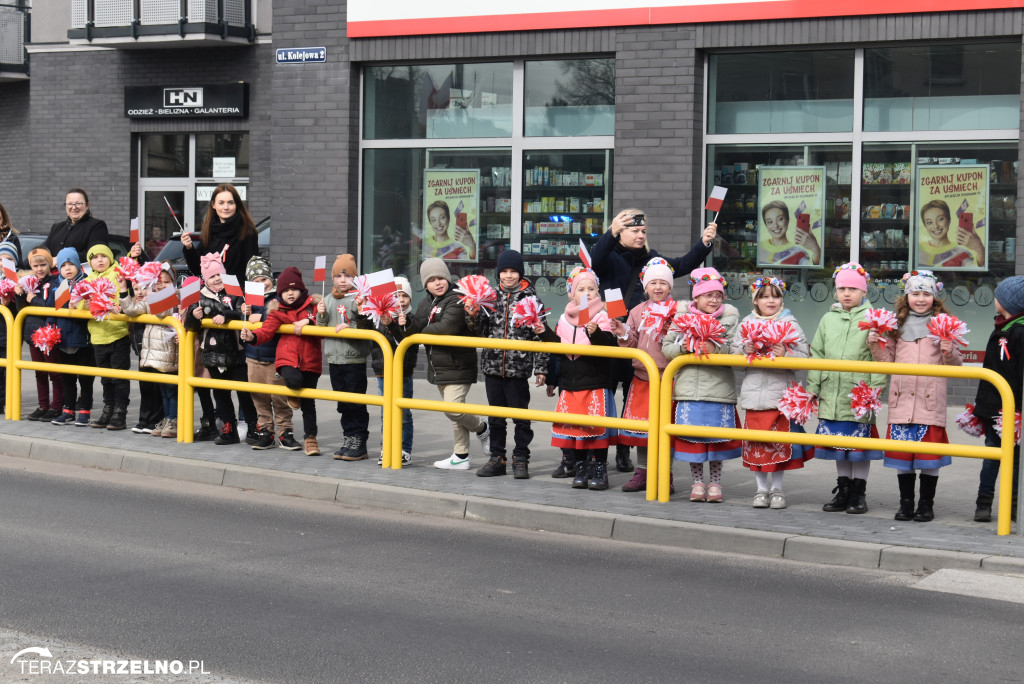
pixel 159 342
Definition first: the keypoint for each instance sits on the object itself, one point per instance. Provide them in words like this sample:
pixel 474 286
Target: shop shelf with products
pixel 886 215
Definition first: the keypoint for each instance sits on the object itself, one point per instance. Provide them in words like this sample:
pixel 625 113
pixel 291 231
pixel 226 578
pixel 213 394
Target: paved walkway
pixel 549 503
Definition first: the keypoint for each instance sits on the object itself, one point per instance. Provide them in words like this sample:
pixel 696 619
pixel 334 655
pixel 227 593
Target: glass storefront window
pixel 164 156
pixel 438 101
pixel 810 91
pixel 942 87
pixel 570 97
pixel 222 155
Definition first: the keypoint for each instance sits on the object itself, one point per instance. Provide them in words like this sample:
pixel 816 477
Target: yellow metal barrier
pixel 8 359
pixel 399 402
pixel 1004 453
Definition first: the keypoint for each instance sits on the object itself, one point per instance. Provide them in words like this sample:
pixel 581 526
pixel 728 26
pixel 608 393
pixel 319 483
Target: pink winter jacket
pixel 914 398
pixel 646 341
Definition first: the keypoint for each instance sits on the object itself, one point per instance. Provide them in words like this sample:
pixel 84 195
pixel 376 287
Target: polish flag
pixel 254 293
pixel 716 199
pixel 320 269
pixel 584 310
pixel 162 300
pixel 190 291
pixel 10 270
pixel 231 285
pixel 62 296
pixel 613 301
pixel 584 255
pixel 381 283
pixel 133 232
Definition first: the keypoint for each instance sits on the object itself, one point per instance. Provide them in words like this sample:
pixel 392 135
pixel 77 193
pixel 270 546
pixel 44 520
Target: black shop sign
pixel 178 102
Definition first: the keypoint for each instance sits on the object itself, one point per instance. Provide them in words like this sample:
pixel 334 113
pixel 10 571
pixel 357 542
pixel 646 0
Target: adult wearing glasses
pixel 617 259
pixel 80 230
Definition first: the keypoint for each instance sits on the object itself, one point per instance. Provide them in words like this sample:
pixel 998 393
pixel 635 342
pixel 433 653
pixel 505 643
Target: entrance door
pixel 165 209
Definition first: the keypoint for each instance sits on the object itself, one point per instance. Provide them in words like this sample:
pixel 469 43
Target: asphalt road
pixel 269 588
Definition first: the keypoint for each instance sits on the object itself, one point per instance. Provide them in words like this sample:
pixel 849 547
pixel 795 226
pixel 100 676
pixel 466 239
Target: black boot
pixel 924 505
pixel 228 435
pixel 983 510
pixel 103 419
pixel 565 468
pixel 493 467
pixel 118 421
pixel 907 481
pixel 252 433
pixel 207 430
pixel 580 471
pixel 622 462
pixel 858 502
pixel 520 468
pixel 598 476
pixel 842 496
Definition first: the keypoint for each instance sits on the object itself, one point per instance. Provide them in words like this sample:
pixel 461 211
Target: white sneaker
pixel 406 458
pixel 380 460
pixel 777 500
pixel 485 440
pixel 761 499
pixel 453 462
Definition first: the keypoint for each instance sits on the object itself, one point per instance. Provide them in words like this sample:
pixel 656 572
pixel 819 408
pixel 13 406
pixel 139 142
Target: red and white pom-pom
pixel 656 316
pixel 103 300
pixel 29 283
pixel 784 333
pixel 361 284
pixel 148 274
pixel 7 288
pixel 970 423
pixel 754 333
pixel 374 307
pixel 475 290
pixel 798 404
pixel 82 291
pixel 46 338
pixel 880 321
pixel 697 330
pixel 1016 426
pixel 865 400
pixel 527 313
pixel 948 327
pixel 343 312
pixel 127 267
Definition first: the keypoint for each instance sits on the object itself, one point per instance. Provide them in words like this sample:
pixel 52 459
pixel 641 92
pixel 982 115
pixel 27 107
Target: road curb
pixel 627 528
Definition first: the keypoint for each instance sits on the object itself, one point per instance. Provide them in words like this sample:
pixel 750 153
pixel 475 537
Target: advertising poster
pixel 952 217
pixel 791 216
pixel 451 226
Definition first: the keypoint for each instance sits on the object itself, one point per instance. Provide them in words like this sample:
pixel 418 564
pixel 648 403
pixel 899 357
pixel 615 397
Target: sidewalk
pixel 801 532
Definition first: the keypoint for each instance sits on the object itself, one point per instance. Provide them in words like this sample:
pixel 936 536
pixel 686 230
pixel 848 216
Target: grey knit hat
pixel 1010 294
pixel 258 266
pixel 434 268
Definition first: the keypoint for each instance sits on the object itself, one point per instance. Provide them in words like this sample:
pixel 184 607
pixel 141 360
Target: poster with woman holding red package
pixel 791 200
pixel 451 198
pixel 952 226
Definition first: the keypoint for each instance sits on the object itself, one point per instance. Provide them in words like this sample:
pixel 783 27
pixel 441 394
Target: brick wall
pixel 15 179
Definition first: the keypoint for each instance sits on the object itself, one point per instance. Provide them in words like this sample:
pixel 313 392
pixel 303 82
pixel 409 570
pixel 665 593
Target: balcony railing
pixel 14 34
pixel 155 23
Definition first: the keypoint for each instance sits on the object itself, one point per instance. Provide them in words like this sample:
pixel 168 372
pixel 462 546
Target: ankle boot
pixel 983 510
pixel 622 462
pixel 906 482
pixel 638 483
pixel 118 420
pixel 924 505
pixel 207 430
pixel 520 468
pixel 103 419
pixel 565 468
pixel 842 496
pixel 858 502
pixel 580 470
pixel 598 475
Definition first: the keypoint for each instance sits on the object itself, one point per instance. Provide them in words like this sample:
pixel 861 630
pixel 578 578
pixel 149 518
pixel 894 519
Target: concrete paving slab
pixel 700 537
pixel 906 559
pixel 534 517
pixel 833 552
pixel 401 499
pixel 288 484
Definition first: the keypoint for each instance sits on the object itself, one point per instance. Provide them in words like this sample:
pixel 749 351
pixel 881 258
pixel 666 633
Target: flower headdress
pixel 765 280
pixel 852 266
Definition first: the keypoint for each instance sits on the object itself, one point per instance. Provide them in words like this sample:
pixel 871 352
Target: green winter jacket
pixel 838 337
pixel 699 382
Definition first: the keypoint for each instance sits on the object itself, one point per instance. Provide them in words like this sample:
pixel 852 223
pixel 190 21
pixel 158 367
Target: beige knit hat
pixel 434 268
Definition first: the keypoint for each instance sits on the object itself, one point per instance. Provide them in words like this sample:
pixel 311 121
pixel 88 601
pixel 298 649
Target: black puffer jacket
pixel 445 315
pixel 498 325
pixel 988 402
pixel 394 333
pixel 87 232
pixel 220 348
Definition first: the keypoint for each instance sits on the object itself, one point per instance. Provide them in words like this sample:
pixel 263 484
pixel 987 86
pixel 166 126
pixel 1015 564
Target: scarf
pixel 915 326
pixel 596 306
pixel 694 310
pixel 226 229
pixel 302 301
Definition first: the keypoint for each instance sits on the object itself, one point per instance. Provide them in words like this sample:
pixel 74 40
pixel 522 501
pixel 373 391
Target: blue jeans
pixel 169 394
pixel 990 468
pixel 406 413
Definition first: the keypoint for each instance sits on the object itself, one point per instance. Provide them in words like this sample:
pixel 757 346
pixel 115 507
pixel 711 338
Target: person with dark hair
pixel 80 230
pixel 8 233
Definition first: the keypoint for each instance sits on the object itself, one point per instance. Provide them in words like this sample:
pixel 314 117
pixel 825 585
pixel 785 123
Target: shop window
pixel 164 156
pixel 809 91
pixel 438 101
pixel 222 155
pixel 570 97
pixel 942 87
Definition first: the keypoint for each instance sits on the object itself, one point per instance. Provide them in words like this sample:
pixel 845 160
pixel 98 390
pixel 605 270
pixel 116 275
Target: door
pixel 166 208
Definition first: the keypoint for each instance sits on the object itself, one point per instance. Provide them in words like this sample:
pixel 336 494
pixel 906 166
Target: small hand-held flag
pixel 584 255
pixel 162 300
pixel 133 232
pixel 613 301
pixel 62 296
pixel 584 310
pixel 382 283
pixel 254 293
pixel 173 215
pixel 190 291
pixel 10 270
pixel 320 269
pixel 231 285
pixel 715 201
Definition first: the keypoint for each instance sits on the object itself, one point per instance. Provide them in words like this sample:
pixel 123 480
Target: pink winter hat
pixel 706 280
pixel 852 275
pixel 210 265
pixel 656 269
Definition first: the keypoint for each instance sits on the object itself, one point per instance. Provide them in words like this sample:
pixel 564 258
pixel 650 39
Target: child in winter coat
pixel 346 358
pixel 645 329
pixel 586 383
pixel 507 372
pixel 273 414
pixel 451 369
pixel 299 359
pixel 1004 354
pixel 222 351
pixel 41 262
pixel 839 337
pixel 110 345
pixel 74 348
pixel 705 395
pixel 394 331
pixel 159 350
pixel 917 404
pixel 9 250
pixel 760 393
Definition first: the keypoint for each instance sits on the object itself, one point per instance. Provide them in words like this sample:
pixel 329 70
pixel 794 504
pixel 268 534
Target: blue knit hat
pixel 1010 295
pixel 8 250
pixel 69 255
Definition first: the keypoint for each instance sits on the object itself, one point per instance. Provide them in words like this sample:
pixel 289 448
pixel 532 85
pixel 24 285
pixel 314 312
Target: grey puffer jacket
pixel 703 382
pixel 159 342
pixel 762 388
pixel 498 325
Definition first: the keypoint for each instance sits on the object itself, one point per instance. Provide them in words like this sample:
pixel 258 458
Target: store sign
pixel 204 193
pixel 301 55
pixel 368 18
pixel 177 102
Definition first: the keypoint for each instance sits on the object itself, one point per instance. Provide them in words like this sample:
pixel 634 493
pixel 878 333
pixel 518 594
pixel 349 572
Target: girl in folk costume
pixel 705 395
pixel 760 393
pixel 645 329
pixel 917 404
pixel 839 337
pixel 586 382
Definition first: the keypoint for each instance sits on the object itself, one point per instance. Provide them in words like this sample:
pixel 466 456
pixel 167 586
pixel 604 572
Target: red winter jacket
pixel 299 351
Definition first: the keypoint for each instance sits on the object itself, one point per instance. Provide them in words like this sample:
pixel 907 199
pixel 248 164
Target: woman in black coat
pixel 80 229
